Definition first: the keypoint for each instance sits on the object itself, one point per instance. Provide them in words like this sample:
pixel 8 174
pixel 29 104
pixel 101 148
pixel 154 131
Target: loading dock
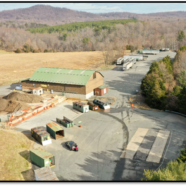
pixel 42 158
pixel 55 130
pixel 41 135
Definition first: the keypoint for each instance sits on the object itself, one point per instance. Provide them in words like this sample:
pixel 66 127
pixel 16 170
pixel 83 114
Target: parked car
pixel 72 145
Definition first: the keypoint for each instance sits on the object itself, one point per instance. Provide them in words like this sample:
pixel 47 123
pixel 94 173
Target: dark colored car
pixel 71 145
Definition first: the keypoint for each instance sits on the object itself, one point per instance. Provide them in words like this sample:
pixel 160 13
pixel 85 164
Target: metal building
pixel 71 83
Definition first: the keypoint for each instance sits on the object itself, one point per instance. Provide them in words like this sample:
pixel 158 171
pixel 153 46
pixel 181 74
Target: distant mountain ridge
pixel 46 14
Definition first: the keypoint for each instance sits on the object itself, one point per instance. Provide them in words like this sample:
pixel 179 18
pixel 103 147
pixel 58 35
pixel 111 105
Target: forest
pixel 93 36
pixel 164 86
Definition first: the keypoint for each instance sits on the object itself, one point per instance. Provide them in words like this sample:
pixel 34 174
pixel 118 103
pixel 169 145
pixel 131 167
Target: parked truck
pixel 154 52
pixel 127 65
pixel 137 57
pixel 120 61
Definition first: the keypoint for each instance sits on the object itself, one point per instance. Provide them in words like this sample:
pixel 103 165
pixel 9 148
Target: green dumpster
pixel 42 158
pixel 65 122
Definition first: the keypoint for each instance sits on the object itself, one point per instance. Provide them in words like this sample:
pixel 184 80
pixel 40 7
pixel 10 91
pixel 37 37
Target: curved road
pixel 104 136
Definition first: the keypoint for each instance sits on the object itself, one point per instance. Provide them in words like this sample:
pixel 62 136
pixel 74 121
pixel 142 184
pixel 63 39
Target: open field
pixel 14 156
pixel 15 67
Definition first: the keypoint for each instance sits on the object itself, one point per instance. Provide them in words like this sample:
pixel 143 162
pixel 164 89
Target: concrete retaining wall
pixel 4 118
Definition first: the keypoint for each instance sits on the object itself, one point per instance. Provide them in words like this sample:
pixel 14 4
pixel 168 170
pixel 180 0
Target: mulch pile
pixel 12 106
pixel 27 98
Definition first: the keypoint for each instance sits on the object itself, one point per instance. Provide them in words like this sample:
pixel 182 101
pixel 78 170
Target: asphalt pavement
pixel 105 137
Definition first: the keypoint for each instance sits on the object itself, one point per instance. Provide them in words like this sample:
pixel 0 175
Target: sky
pixel 105 7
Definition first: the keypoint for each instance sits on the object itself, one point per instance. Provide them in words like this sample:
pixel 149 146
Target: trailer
pixel 119 61
pixel 127 65
pixel 154 52
pixel 137 57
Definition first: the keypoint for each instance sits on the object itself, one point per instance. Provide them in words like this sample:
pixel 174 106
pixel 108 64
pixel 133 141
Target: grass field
pixel 14 156
pixel 15 67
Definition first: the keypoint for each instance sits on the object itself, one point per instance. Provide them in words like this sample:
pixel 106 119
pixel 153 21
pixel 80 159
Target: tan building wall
pixel 94 82
pixel 56 87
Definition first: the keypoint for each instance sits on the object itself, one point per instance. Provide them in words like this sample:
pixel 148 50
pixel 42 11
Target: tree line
pixel 96 25
pixel 138 35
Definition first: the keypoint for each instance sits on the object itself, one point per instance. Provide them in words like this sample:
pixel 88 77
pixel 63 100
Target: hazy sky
pixel 105 7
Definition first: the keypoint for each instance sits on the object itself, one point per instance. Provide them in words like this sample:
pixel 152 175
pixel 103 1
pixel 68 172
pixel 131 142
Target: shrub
pixel 174 171
pixel 182 158
pixel 45 51
pixel 18 50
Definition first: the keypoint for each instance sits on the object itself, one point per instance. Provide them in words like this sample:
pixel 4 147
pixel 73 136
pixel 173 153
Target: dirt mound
pixel 3 104
pixel 27 98
pixel 12 106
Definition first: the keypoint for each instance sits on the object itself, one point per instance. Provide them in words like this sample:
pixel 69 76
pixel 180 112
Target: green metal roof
pixel 103 86
pixel 54 126
pixel 62 76
pixel 42 153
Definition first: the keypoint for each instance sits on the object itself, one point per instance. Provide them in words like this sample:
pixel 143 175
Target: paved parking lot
pixel 115 145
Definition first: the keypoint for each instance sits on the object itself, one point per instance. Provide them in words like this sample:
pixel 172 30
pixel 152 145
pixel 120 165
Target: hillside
pixel 45 14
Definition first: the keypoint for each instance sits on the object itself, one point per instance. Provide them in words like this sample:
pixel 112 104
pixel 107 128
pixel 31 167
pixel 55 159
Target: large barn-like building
pixel 72 83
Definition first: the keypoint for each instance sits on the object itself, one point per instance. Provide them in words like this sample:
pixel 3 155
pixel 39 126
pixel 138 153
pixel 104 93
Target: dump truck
pixel 127 65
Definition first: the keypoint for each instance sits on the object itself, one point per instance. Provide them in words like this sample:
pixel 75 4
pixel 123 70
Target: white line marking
pixel 134 143
pixel 158 146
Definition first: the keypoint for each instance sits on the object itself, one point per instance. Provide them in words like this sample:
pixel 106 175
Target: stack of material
pixel 45 173
pixel 27 98
pixel 12 106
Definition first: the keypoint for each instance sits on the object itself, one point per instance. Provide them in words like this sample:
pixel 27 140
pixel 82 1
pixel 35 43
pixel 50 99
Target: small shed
pixel 45 174
pixel 55 130
pixel 41 135
pixel 82 107
pixel 93 106
pixel 101 90
pixel 42 158
pixel 65 122
pixel 101 104
pixel 37 91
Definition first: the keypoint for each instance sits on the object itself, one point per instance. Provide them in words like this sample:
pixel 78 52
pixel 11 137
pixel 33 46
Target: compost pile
pixel 12 106
pixel 27 98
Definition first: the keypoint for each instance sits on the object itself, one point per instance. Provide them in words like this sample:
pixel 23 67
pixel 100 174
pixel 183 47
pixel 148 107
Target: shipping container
pixel 101 104
pixel 55 130
pixel 42 158
pixel 41 135
pixel 101 90
pixel 82 107
pixel 65 122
